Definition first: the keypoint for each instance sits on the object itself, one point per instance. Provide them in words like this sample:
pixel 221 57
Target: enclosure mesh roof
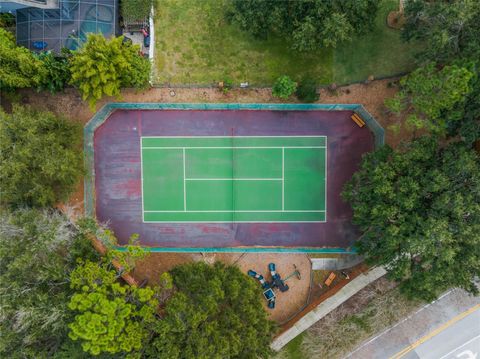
pixel 67 26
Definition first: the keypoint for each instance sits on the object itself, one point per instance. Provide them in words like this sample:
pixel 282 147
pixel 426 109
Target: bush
pixel 103 67
pixel 19 68
pixel 307 91
pixel 40 157
pixel 135 10
pixel 284 87
pixel 57 73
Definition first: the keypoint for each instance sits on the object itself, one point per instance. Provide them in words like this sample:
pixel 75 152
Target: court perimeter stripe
pixel 243 211
pixel 283 178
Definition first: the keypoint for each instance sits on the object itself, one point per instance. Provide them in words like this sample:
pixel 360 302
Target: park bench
pixel 330 279
pixel 358 120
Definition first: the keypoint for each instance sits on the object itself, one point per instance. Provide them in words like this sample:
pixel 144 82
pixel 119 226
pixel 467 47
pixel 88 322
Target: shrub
pixel 19 68
pixel 57 72
pixel 103 67
pixel 284 87
pixel 135 10
pixel 307 91
pixel 40 157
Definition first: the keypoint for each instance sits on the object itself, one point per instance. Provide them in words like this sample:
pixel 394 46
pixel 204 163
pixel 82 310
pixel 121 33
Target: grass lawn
pixel 195 45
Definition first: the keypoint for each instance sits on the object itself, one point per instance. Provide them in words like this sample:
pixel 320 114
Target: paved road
pixel 448 328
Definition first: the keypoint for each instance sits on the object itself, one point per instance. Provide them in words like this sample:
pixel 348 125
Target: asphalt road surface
pixel 448 328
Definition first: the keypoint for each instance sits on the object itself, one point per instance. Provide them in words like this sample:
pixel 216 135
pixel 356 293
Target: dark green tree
pixel 57 72
pixel 307 91
pixel 307 25
pixel 448 29
pixel 419 210
pixel 38 250
pixel 40 157
pixel 215 313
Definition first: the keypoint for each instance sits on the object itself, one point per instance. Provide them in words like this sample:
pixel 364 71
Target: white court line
pixel 208 136
pixel 283 178
pixel 184 184
pixel 468 342
pixel 230 222
pixel 233 179
pixel 243 211
pixel 141 178
pixel 224 147
pixel 326 177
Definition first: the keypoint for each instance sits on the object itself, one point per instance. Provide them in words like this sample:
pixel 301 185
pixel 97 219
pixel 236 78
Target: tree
pixel 110 317
pixel 448 29
pixel 307 25
pixel 284 87
pixel 419 210
pixel 103 67
pixel 40 157
pixel 427 93
pixel 38 250
pixel 215 313
pixel 19 68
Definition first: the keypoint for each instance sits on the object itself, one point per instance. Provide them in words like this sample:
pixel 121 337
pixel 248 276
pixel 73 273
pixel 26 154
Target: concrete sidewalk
pixel 327 306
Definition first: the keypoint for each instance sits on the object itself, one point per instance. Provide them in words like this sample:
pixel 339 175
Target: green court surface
pixel 234 179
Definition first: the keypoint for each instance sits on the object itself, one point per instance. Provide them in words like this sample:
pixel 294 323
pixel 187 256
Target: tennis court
pixel 223 179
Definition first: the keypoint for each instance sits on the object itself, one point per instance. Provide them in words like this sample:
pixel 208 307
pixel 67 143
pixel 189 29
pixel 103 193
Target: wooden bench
pixel 358 120
pixel 330 279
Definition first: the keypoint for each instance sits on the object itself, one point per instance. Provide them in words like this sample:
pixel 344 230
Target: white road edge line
pixel 397 324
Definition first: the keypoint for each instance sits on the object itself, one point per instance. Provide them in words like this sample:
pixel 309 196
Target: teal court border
pixel 104 113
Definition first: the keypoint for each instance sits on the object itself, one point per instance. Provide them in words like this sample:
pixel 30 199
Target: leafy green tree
pixel 215 313
pixel 19 68
pixel 57 72
pixel 103 67
pixel 427 93
pixel 307 91
pixel 284 87
pixel 38 250
pixel 307 25
pixel 419 210
pixel 40 157
pixel 111 318
pixel 448 29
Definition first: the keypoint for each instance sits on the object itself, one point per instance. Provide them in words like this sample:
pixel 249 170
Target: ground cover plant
pixel 40 157
pixel 197 44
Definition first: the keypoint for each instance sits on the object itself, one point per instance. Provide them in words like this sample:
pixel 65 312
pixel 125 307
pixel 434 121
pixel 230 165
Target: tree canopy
pixel 40 157
pixel 38 250
pixel 448 29
pixel 307 25
pixel 103 67
pixel 428 93
pixel 215 313
pixel 419 210
pixel 19 68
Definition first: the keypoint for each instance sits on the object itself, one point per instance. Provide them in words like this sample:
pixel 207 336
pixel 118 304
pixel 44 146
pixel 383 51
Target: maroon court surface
pixel 118 189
